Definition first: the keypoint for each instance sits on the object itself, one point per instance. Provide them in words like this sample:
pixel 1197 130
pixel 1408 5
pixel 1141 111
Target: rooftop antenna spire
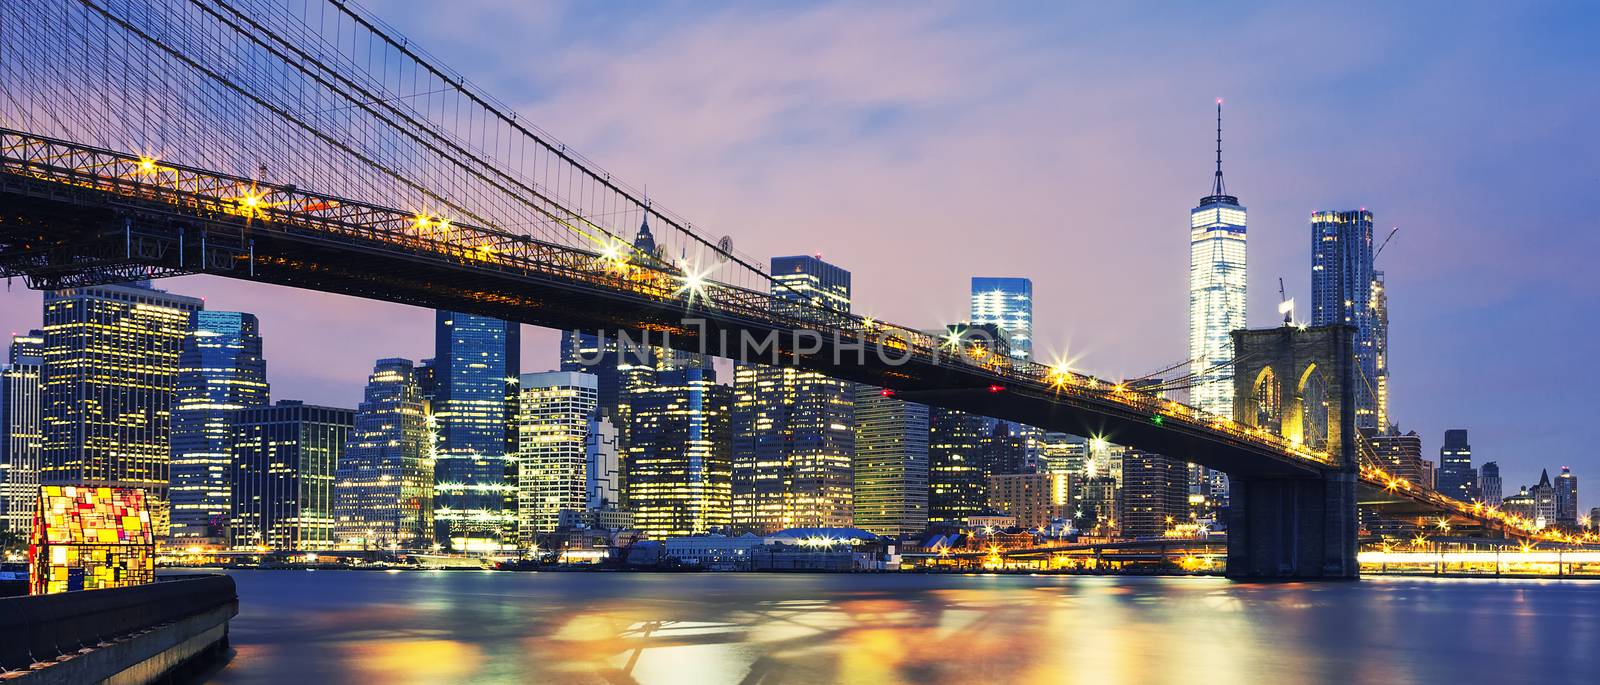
pixel 1217 188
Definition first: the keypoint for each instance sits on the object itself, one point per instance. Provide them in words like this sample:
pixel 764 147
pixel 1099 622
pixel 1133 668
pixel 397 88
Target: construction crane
pixel 1285 305
pixel 1378 251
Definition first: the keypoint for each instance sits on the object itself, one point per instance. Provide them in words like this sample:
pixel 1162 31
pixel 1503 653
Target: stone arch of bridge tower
pixel 1313 410
pixel 1266 400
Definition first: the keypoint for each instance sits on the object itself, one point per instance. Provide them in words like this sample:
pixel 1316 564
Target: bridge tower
pixel 1300 383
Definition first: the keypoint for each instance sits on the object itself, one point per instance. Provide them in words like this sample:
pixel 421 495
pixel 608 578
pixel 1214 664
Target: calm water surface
pixel 305 627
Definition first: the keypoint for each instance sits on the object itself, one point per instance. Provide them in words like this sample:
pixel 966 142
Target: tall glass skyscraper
pixel 891 464
pixel 1566 498
pixel 109 375
pixel 552 458
pixel 679 472
pixel 219 370
pixel 383 492
pixel 20 433
pixel 1216 290
pixel 476 363
pixel 1380 346
pixel 1217 307
pixel 794 430
pixel 809 281
pixel 1342 292
pixel 284 461
pixel 956 485
pixel 1008 304
pixel 1489 481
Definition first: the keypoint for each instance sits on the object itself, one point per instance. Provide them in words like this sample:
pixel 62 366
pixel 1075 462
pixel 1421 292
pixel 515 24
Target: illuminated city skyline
pixel 1499 269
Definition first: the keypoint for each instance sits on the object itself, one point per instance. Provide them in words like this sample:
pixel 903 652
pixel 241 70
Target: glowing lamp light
pixel 886 392
pixel 147 165
pixel 996 388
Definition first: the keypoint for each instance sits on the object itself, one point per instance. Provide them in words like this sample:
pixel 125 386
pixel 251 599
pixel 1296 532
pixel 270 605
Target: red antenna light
pixel 996 388
pixel 886 392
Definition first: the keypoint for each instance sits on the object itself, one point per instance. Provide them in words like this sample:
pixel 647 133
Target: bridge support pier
pixel 1292 528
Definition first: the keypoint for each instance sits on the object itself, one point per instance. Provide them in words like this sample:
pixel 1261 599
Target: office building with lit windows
pixel 1399 454
pixel 553 414
pixel 1456 476
pixel 220 370
pixel 1342 293
pixel 1380 348
pixel 1033 499
pixel 794 430
pixel 1006 303
pixel 1490 483
pixel 383 487
pixel 679 472
pixel 21 435
pixel 808 282
pixel 890 464
pixel 1154 494
pixel 474 377
pixel 108 380
pixel 956 478
pixel 1566 488
pixel 285 459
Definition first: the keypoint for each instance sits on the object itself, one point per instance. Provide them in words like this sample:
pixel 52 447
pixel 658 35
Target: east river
pixel 310 627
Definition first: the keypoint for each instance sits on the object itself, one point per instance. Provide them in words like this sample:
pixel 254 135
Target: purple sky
pixel 921 145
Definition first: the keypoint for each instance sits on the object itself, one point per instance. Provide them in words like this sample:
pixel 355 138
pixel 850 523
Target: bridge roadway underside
pixel 56 235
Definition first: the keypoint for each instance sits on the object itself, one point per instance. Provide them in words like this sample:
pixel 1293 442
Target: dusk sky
pixel 919 145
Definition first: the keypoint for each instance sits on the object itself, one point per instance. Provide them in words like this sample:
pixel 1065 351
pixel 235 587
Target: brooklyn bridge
pixel 308 146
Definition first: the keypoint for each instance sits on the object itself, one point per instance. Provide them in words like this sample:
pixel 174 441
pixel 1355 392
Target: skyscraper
pixel 679 471
pixel 1566 498
pixel 1489 481
pixel 383 490
pixel 553 457
pixel 219 370
pixel 1008 304
pixel 1216 290
pixel 1217 303
pixel 110 369
pixel 956 481
pixel 793 430
pixel 807 282
pixel 285 456
pixel 891 464
pixel 475 367
pixel 1400 455
pixel 1064 453
pixel 1002 450
pixel 1342 293
pixel 1380 346
pixel 1456 476
pixel 20 433
pixel 1154 494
